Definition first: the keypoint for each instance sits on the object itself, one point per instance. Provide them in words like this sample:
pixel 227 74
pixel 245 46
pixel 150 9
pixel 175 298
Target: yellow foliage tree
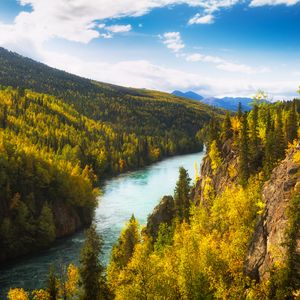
pixel 17 294
pixel 40 295
pixel 71 284
pixel 215 156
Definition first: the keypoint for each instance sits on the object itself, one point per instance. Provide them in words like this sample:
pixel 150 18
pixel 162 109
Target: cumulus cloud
pixel 83 20
pixel 173 41
pixel 196 57
pixel 142 73
pixel 119 28
pixel 255 3
pixel 76 20
pixel 225 65
pixel 199 19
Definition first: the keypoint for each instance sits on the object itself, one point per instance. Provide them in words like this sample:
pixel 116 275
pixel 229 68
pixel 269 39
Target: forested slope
pixel 132 110
pixel 235 233
pixel 60 134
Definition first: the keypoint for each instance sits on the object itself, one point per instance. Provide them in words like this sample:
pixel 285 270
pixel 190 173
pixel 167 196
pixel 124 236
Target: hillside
pixel 131 110
pixel 60 134
pixel 234 234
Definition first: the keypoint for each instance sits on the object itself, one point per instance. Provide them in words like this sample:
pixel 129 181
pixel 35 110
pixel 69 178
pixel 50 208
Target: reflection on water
pixel 132 193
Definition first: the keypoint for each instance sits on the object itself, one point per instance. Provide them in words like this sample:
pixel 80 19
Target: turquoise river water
pixel 135 193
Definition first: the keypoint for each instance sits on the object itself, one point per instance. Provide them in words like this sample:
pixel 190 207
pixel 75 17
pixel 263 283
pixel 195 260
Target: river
pixel 135 193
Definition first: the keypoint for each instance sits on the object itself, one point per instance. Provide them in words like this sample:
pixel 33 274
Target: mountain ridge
pixel 229 103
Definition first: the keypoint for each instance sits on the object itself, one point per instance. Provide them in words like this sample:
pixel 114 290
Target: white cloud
pixel 199 19
pixel 74 20
pixel 173 41
pixel 196 57
pixel 255 3
pixel 241 68
pixel 78 21
pixel 225 65
pixel 142 73
pixel 106 35
pixel 119 28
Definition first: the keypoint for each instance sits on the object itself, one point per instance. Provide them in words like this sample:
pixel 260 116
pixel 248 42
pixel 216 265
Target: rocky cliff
pixel 164 212
pixel 268 246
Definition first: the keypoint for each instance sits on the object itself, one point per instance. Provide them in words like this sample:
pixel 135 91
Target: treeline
pixel 260 137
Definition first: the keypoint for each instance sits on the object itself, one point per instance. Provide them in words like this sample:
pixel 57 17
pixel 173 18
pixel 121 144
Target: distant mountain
pixel 188 95
pixel 230 103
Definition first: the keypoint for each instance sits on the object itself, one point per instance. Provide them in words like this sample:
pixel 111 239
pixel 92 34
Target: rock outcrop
pixel 223 177
pixel 268 246
pixel 164 212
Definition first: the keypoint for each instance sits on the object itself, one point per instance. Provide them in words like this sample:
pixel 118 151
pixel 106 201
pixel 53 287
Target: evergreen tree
pixel 269 155
pixel 213 130
pixel 182 194
pixel 226 128
pixel 4 117
pixel 254 127
pixel 129 238
pixel 45 226
pixel 254 149
pixel 240 111
pixel 279 136
pixel 52 284
pixel 292 123
pixel 244 152
pixel 91 269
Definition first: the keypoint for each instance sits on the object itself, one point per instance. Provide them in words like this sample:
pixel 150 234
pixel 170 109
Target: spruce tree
pixel 181 195
pixel 240 111
pixel 213 130
pixel 226 128
pixel 244 172
pixel 91 269
pixel 52 284
pixel 254 150
pixel 280 141
pixel 292 123
pixel 129 238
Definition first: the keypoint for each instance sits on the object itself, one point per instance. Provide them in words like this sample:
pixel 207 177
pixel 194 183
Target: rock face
pixel 68 219
pixel 224 176
pixel 267 246
pixel 162 213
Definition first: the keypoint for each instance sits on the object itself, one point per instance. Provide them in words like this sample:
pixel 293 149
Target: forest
pixel 199 250
pixel 61 135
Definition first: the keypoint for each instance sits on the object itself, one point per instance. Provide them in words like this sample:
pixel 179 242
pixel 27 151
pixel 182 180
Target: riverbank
pixel 134 192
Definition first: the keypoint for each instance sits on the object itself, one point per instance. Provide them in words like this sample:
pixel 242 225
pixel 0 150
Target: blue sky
pixel 214 47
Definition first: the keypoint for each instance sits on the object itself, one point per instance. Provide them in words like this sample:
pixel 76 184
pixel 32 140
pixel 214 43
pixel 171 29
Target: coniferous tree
pixel 4 117
pixel 129 238
pixel 91 269
pixel 279 136
pixel 244 172
pixel 182 194
pixel 240 111
pixel 292 123
pixel 226 128
pixel 254 150
pixel 52 284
